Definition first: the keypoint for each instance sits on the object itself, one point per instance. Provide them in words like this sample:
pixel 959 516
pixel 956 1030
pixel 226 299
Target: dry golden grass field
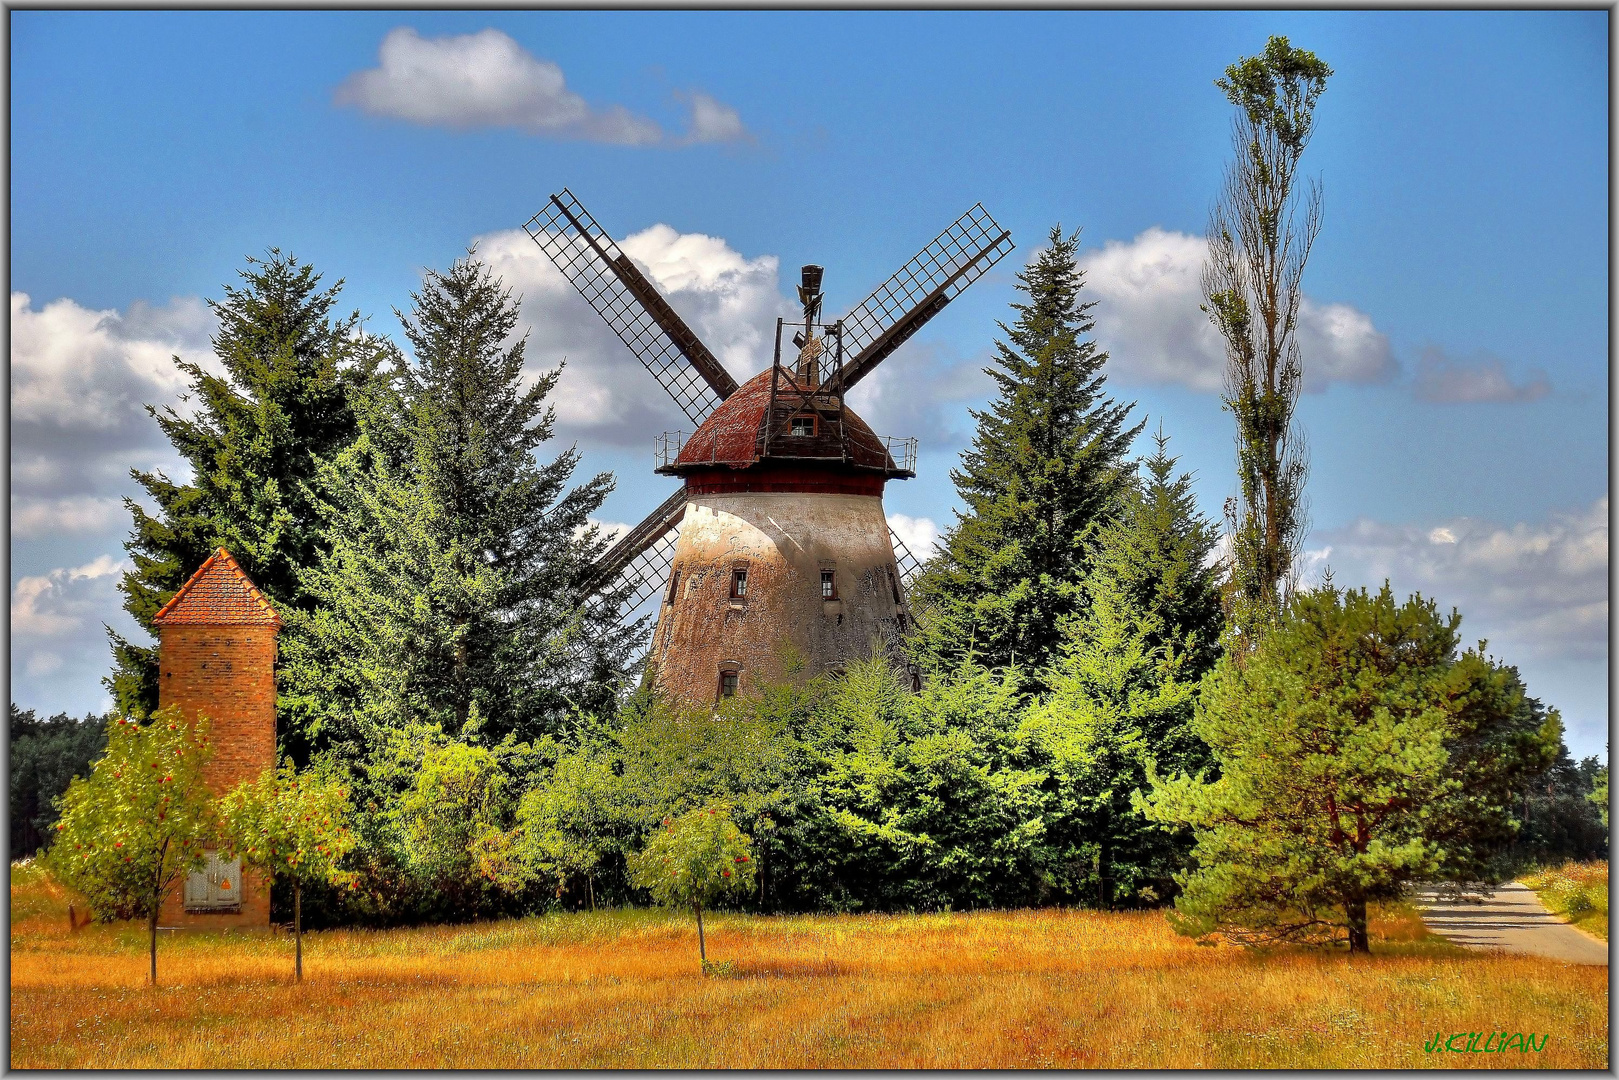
pixel 622 988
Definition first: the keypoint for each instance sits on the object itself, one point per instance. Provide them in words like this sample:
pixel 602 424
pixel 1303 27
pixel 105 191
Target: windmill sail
pixel 644 552
pixel 638 314
pixel 918 291
pixel 909 565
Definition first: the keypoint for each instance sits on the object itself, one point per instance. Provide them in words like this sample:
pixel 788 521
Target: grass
pixel 621 988
pixel 1576 891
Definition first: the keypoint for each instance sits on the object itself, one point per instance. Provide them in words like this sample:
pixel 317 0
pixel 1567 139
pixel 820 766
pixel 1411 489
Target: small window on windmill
pixel 729 679
pixel 739 583
pixel 804 426
pixel 674 586
pixel 829 585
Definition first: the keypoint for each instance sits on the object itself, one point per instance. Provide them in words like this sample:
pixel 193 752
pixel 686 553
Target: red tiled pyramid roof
pixel 218 594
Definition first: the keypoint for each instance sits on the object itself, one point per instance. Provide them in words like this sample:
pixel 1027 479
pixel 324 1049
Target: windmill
pixel 777 534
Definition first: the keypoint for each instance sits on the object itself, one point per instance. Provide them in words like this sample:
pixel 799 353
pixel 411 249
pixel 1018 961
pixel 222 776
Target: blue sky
pixel 1458 420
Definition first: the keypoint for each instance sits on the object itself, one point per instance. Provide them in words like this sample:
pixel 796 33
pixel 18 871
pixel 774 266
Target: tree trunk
pixel 702 949
pixel 297 931
pixel 1358 940
pixel 151 925
pixel 590 887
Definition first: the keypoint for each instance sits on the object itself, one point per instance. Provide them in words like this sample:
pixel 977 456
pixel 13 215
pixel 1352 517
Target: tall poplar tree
pixel 251 443
pixel 1258 245
pixel 1045 468
pixel 459 561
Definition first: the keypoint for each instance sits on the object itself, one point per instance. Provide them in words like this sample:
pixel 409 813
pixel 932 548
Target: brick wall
pixel 226 673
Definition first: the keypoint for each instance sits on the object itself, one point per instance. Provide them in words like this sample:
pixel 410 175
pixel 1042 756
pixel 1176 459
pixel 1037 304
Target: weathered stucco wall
pixel 784 540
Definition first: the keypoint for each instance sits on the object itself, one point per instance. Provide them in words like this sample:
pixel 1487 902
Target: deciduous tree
pixel 1258 245
pixel 132 831
pixel 294 826
pixel 693 861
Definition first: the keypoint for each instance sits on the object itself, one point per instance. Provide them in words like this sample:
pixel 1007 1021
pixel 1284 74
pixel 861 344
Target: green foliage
pixel 136 826
pixel 251 443
pixel 1277 90
pixel 45 756
pixel 1119 705
pixel 1044 470
pixel 455 576
pixel 696 859
pixel 1599 793
pixel 291 824
pixel 1357 753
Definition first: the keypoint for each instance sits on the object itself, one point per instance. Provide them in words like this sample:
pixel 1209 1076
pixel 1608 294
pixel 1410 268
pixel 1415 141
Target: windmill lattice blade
pixel 909 565
pixel 656 526
pixel 918 291
pixel 638 314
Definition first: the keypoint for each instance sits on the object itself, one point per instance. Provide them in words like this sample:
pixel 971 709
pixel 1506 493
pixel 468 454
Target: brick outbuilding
pixel 216 658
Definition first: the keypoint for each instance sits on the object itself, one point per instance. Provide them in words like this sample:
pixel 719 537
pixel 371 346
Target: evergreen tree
pixel 1358 753
pixel 1044 471
pixel 1122 693
pixel 251 444
pixel 459 563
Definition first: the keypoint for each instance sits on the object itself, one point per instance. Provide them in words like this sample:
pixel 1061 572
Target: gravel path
pixel 1514 920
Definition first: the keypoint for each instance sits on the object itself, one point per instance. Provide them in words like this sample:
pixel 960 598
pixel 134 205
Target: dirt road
pixel 1513 920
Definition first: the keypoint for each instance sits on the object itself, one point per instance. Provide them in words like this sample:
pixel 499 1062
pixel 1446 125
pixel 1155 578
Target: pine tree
pixel 1357 753
pixel 251 445
pixel 1045 469
pixel 1123 689
pixel 459 562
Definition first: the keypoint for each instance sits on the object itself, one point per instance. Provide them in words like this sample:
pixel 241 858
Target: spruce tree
pixel 251 444
pixel 1123 689
pixel 459 562
pixel 1045 469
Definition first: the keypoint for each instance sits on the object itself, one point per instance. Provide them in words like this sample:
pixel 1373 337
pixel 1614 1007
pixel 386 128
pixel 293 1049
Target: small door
pixel 216 887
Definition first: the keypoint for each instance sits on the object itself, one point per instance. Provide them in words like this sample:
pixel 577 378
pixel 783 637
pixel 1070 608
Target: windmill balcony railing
pixel 902 450
pixel 666 448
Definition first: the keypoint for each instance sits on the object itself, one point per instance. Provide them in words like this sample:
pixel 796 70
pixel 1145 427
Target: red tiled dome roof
pixel 731 437
pixel 218 594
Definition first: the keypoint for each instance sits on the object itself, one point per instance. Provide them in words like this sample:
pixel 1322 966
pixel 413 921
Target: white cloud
pixel 918 392
pixel 36 517
pixel 488 80
pixel 57 603
pixel 729 300
pixel 1536 589
pixel 919 534
pixel 1149 320
pixel 1443 380
pixel 713 121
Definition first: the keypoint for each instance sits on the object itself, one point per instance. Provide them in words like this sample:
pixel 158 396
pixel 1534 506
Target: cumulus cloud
pixel 488 80
pixel 57 603
pixel 729 300
pixel 1537 589
pixel 79 381
pixel 919 534
pixel 1149 320
pixel 1443 380
pixel 919 391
